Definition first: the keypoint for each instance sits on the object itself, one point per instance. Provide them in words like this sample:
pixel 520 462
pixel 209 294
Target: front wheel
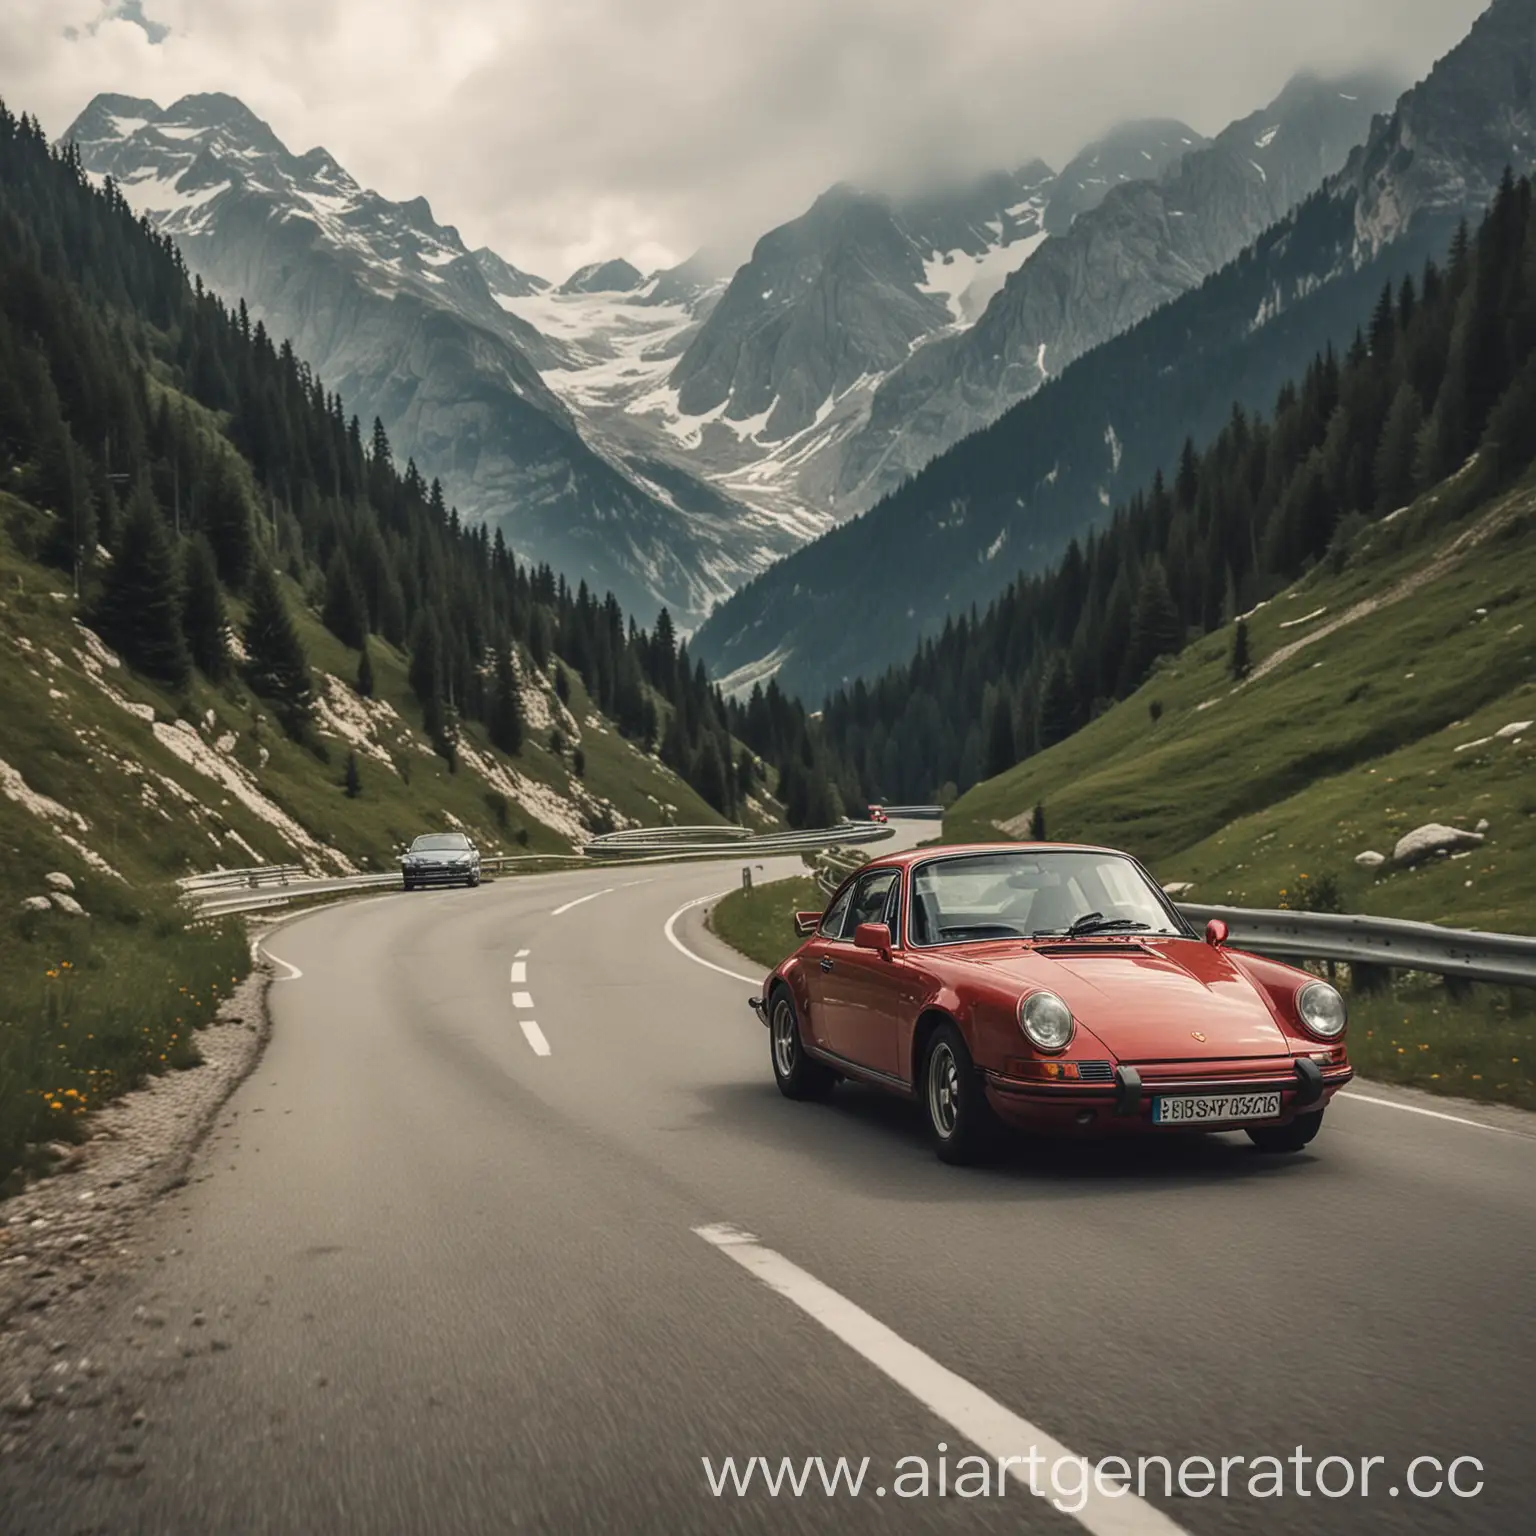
pixel 1286 1138
pixel 798 1075
pixel 960 1121
pixel 474 880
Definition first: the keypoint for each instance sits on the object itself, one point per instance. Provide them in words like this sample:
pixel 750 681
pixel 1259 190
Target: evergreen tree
pixel 345 612
pixel 203 620
pixel 1156 629
pixel 506 721
pixel 1395 453
pixel 140 610
pixel 276 667
pixel 226 519
pixel 579 763
pixel 354 783
pixel 1058 703
pixel 1037 823
pixel 1001 754
pixel 365 673
pixel 1241 661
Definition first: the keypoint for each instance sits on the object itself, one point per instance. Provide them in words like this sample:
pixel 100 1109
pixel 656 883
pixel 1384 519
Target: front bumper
pixel 439 874
pixel 1126 1104
pixel 759 1006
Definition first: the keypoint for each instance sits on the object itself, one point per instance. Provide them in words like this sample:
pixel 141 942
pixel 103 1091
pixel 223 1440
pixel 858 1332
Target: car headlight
pixel 1322 1010
pixel 1046 1020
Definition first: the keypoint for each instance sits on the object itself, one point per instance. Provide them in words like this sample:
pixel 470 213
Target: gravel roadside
pixel 70 1242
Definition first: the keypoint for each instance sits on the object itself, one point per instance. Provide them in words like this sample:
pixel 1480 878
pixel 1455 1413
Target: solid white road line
pixel 581 900
pixel 522 1000
pixel 535 1037
pixel 1433 1114
pixel 670 929
pixel 294 973
pixel 982 1420
pixel 519 972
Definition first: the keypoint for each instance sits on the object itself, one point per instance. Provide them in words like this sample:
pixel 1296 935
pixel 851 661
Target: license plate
pixel 1210 1108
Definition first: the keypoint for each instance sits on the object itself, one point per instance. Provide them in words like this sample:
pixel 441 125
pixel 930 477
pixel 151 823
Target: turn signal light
pixel 1020 1066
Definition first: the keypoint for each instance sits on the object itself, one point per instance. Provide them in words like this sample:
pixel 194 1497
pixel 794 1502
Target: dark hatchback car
pixel 440 858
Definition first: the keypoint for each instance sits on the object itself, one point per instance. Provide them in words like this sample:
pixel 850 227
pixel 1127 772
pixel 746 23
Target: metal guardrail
pixel 257 875
pixel 915 812
pixel 685 841
pixel 1379 941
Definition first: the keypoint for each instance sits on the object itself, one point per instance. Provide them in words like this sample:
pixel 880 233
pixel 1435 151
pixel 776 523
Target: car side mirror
pixel 875 936
pixel 806 923
pixel 1215 933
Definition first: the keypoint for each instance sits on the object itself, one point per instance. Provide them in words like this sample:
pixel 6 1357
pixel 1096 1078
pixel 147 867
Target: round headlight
pixel 1046 1020
pixel 1322 1010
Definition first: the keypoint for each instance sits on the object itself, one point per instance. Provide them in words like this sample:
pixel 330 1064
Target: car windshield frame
pixel 1179 925
pixel 441 842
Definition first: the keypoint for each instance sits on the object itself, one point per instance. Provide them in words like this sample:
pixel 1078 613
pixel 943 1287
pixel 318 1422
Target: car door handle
pixel 827 962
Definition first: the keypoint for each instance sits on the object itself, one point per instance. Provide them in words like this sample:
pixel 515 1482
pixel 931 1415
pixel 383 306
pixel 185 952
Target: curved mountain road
pixel 460 1274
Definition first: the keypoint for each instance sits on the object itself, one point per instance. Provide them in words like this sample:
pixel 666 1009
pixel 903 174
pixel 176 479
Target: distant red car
pixel 1053 988
pixel 877 814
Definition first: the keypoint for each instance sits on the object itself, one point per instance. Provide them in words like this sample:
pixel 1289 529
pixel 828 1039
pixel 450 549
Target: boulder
pixel 1482 826
pixel 1178 888
pixel 35 904
pixel 1427 841
pixel 58 881
pixel 68 904
pixel 1514 728
pixel 1370 859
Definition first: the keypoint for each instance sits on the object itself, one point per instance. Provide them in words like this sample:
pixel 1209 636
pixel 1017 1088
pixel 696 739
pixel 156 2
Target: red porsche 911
pixel 1053 989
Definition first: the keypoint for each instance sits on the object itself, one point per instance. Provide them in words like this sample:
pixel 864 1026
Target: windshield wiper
pixel 1096 922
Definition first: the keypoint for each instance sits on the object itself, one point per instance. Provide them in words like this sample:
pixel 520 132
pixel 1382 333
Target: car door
pixel 860 988
pixel 821 952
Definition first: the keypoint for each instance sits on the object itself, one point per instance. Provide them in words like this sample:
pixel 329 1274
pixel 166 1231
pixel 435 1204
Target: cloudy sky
pixel 562 131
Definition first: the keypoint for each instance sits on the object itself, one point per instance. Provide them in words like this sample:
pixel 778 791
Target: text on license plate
pixel 1191 1109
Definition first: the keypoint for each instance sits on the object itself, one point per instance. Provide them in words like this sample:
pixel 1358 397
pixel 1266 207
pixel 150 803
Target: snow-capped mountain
pixel 1009 498
pixel 1135 151
pixel 394 311
pixel 1144 242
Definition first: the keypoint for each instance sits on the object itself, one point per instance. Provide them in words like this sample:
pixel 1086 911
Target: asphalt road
pixel 468 1249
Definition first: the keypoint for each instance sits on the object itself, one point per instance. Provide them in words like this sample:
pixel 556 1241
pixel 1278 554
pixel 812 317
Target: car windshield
pixel 441 842
pixel 1059 893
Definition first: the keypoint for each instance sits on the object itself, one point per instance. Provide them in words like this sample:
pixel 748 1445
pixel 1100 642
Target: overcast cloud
pixel 562 131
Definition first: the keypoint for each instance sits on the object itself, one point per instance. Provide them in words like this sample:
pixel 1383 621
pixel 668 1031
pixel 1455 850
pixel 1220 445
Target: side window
pixel 832 919
pixel 871 897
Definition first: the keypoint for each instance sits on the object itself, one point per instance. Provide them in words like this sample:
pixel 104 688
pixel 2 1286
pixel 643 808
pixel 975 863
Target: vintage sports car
pixel 440 858
pixel 1054 989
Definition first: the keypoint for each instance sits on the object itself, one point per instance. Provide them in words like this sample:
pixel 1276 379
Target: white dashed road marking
pixel 535 1037
pixel 519 972
pixel 581 900
pixel 982 1420
pixel 522 1001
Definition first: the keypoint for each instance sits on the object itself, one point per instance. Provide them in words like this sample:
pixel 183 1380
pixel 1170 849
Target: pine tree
pixel 1037 823
pixel 276 666
pixel 1394 454
pixel 203 620
pixel 365 673
pixel 579 763
pixel 506 722
pixel 1001 753
pixel 140 610
pixel 1155 626
pixel 226 518
pixel 354 783
pixel 1058 703
pixel 1241 661
pixel 345 612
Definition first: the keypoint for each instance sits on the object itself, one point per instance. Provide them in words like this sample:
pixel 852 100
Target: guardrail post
pixel 746 877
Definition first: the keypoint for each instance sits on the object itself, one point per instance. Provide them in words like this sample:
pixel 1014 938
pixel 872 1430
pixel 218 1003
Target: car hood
pixel 1154 1000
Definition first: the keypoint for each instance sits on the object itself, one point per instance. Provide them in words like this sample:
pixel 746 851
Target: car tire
pixel 474 880
pixel 408 884
pixel 1286 1138
pixel 798 1075
pixel 961 1125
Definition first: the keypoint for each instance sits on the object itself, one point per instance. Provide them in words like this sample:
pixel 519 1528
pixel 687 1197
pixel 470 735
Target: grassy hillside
pixel 1380 684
